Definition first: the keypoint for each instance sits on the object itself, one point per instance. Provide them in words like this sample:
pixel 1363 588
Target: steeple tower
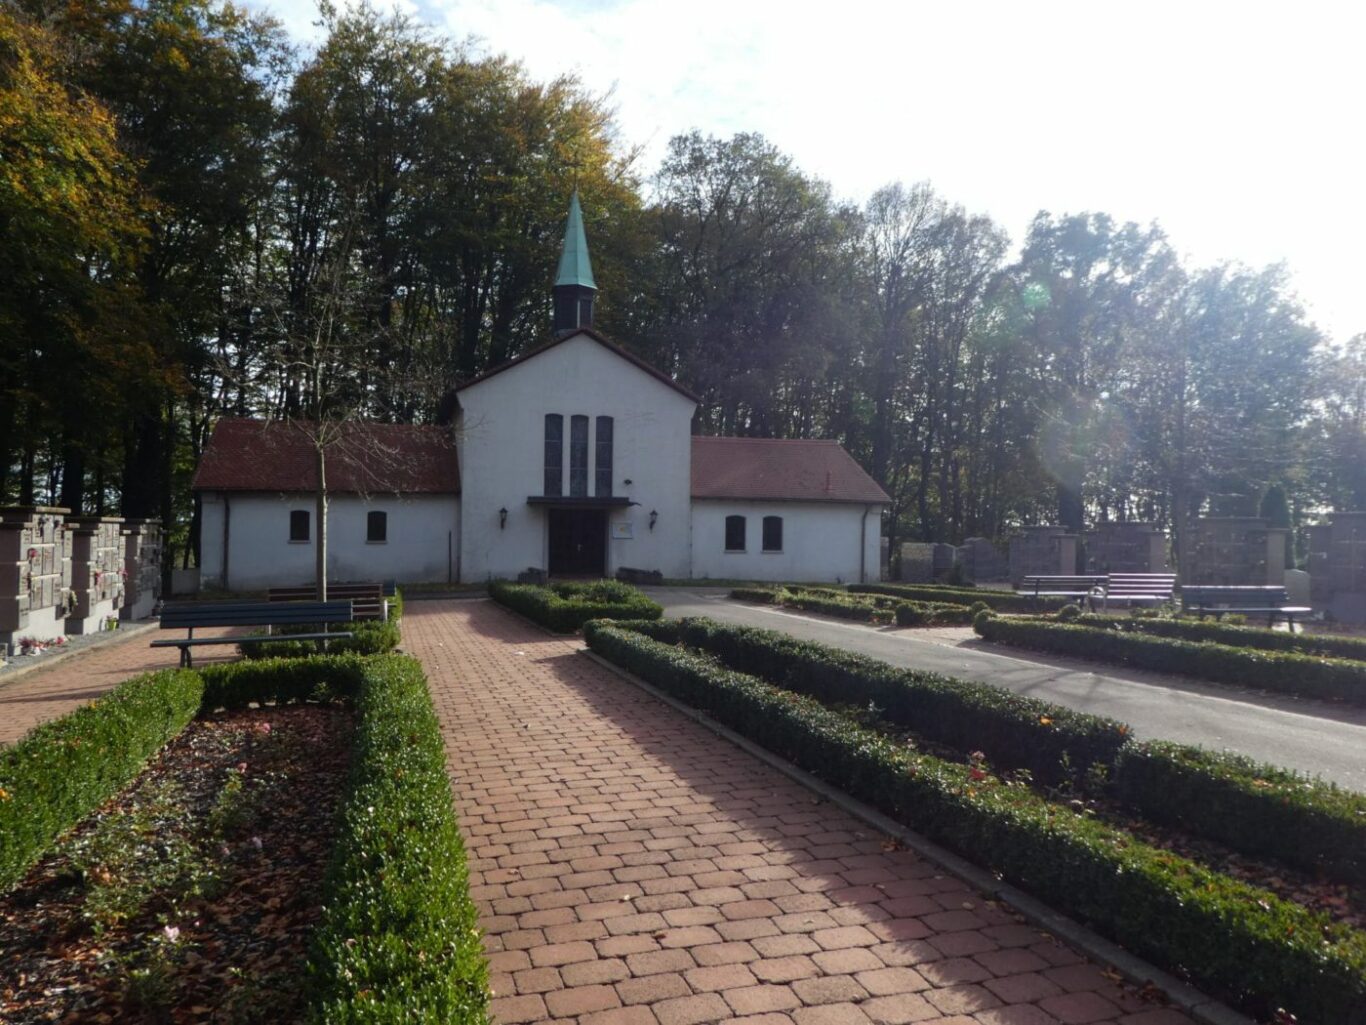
pixel 574 288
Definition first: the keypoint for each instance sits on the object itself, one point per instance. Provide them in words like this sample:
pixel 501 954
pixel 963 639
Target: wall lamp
pixel 502 518
pixel 653 516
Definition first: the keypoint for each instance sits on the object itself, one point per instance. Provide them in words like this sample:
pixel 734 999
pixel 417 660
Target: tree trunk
pixel 73 479
pixel 320 569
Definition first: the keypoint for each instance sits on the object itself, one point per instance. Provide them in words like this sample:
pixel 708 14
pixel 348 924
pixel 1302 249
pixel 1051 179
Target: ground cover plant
pixel 1289 672
pixel 565 607
pixel 1325 645
pixel 397 941
pixel 1236 940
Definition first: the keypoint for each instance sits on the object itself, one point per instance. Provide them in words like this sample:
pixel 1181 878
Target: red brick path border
pixel 631 868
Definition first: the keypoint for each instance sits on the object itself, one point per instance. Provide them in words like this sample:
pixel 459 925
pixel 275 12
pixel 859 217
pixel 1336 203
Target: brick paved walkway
pixel 633 869
pixel 47 692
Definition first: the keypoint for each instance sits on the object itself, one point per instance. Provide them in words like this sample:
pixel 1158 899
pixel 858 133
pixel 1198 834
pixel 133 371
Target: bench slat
pixel 187 615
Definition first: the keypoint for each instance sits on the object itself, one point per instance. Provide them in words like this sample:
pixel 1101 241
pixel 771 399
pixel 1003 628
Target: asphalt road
pixel 1322 739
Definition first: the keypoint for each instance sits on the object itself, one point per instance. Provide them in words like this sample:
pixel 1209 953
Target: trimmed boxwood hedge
pixel 63 770
pixel 1320 828
pixel 1015 732
pixel 368 637
pixel 1236 940
pixel 564 608
pixel 921 613
pixel 1002 601
pixel 761 595
pixel 863 608
pixel 837 604
pixel 1251 807
pixel 399 938
pixel 1288 672
pixel 1325 645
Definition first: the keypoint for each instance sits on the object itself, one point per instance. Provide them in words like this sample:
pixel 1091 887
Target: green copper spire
pixel 575 267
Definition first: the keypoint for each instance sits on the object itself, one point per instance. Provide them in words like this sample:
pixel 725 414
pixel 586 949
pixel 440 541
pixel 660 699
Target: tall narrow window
pixel 377 527
pixel 578 457
pixel 773 533
pixel 602 462
pixel 735 533
pixel 298 525
pixel 554 454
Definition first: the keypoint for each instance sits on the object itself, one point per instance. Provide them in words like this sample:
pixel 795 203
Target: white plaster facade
pixel 252 530
pixel 821 542
pixel 501 441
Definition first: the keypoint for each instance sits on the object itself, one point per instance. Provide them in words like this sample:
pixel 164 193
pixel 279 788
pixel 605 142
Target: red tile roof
pixel 273 455
pixel 797 470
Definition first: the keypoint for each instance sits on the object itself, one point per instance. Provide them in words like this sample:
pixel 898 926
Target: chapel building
pixel 575 459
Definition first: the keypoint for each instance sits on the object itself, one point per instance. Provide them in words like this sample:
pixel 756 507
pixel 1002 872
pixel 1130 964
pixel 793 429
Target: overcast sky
pixel 1239 127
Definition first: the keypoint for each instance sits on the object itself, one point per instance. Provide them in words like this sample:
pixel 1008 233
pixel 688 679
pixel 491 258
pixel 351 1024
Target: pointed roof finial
pixel 575 267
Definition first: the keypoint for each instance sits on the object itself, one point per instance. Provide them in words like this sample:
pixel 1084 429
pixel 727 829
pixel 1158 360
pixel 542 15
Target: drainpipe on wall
pixel 863 546
pixel 227 531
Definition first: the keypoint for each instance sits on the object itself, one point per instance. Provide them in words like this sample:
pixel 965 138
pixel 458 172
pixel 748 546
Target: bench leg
pixel 185 657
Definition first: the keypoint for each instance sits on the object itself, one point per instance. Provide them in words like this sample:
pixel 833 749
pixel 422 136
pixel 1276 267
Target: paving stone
pixel 622 855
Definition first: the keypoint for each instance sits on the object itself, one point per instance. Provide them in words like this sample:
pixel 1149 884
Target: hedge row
pixel 564 608
pixel 863 608
pixel 1014 732
pixel 1236 940
pixel 918 613
pixel 63 770
pixel 1288 672
pixel 1323 645
pixel 399 938
pixel 368 637
pixel 1320 828
pixel 234 685
pixel 1260 809
pixel 1002 601
pixel 841 606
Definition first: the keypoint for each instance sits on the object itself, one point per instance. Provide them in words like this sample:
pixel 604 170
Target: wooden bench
pixel 1138 588
pixel 1217 601
pixel 188 615
pixel 369 601
pixel 1083 588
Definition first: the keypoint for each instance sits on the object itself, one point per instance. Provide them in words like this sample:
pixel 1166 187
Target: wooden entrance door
pixel 578 542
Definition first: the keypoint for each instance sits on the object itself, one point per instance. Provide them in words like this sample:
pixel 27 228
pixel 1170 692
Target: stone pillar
pixel 35 573
pixel 1320 537
pixel 97 572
